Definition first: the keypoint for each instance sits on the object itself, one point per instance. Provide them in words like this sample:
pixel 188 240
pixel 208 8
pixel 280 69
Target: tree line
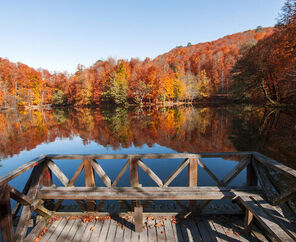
pixel 249 66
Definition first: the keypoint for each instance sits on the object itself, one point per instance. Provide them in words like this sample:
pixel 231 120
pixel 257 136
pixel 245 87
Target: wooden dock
pixel 264 206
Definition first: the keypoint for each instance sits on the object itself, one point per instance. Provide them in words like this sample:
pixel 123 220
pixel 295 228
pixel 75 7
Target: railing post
pixel 136 205
pixel 251 174
pixel 46 181
pixel 89 182
pixel 6 224
pixel 192 180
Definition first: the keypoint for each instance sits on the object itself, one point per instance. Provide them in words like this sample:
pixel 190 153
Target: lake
pixel 27 134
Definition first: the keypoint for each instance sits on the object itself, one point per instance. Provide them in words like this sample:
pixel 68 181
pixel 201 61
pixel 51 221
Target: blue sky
pixel 60 34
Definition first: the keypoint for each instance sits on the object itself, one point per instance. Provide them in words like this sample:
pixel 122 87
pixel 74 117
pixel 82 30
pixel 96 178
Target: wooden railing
pixel 32 197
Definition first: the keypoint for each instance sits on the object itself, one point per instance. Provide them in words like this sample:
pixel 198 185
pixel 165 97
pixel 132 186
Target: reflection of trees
pixel 268 131
pixel 184 129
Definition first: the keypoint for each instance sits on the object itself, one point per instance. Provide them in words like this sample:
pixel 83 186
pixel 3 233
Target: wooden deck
pixel 205 228
pixel 263 205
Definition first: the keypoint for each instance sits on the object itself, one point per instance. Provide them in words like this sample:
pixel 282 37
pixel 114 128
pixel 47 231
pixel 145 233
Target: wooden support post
pixel 6 224
pixel 248 221
pixel 251 174
pixel 192 181
pixel 46 181
pixel 89 182
pixel 136 205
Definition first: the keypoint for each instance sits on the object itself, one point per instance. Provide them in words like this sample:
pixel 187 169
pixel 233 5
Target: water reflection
pixel 183 129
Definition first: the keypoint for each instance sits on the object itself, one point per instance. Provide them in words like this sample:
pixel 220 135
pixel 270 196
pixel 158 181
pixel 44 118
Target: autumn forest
pixel 252 66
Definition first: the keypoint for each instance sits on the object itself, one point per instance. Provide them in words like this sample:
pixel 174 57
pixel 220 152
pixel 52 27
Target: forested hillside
pixel 253 65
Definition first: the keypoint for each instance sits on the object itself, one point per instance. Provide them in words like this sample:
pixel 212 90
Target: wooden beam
pixel 248 221
pixel 24 200
pixel 20 170
pixel 269 191
pixel 274 164
pixel 209 172
pixel 150 173
pixel 145 156
pixel 89 182
pixel 22 226
pixel 139 193
pixel 59 174
pixel 252 179
pixel 192 180
pixel 102 174
pixel 117 179
pixel 235 171
pixel 266 221
pixel 6 224
pixel 176 172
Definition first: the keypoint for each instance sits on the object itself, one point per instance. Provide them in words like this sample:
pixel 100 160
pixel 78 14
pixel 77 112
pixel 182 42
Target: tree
pixel 58 98
pixel 205 89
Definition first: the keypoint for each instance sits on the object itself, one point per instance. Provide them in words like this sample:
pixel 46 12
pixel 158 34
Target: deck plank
pixel 169 233
pixel 220 231
pixel 97 231
pixel 151 230
pixel 58 229
pixel 104 231
pixel 160 230
pixel 80 231
pixel 111 231
pixel 64 235
pixel 73 229
pixel 50 230
pixel 119 232
pixel 177 232
pixel 88 231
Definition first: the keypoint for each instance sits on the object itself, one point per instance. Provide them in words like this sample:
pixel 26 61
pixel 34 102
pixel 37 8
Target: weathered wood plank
pixel 74 228
pixel 145 156
pixel 6 224
pixel 102 174
pixel 112 231
pixel 59 174
pixel 104 231
pixel 22 199
pixel 192 180
pixel 89 182
pixel 150 173
pixel 117 179
pixel 25 191
pixel 169 232
pixel 202 165
pixel 22 227
pixel 97 231
pixel 248 221
pixel 266 221
pixel 64 236
pixel 275 213
pixel 284 196
pixel 194 230
pixel 152 235
pixel 88 231
pixel 177 232
pixel 138 193
pixel 50 231
pixel 274 164
pixel 58 230
pixel 252 179
pixel 176 172
pixel 160 230
pixel 36 231
pixel 269 191
pixel 235 171
pixel 203 229
pixel 18 171
pixel 80 232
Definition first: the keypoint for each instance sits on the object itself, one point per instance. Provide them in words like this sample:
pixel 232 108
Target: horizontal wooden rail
pixel 147 193
pixel 20 170
pixel 145 156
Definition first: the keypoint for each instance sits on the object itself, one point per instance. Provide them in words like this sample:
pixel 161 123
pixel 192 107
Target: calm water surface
pixel 25 135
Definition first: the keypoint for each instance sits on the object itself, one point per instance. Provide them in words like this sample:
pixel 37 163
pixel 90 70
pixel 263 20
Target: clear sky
pixel 60 34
